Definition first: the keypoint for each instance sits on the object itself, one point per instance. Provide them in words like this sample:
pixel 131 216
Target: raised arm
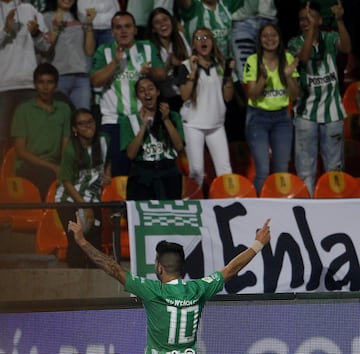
pixel 243 258
pixel 105 262
pixel 344 41
pixel 305 51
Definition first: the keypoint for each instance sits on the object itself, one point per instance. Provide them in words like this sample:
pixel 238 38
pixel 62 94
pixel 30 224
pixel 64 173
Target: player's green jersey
pixel 218 21
pixel 320 99
pixel 173 310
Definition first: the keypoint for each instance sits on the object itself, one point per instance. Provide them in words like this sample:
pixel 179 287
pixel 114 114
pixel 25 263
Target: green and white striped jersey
pixel 218 21
pixel 119 97
pixel 320 99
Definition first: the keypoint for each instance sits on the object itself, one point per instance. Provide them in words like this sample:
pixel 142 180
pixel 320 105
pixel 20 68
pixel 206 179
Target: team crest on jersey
pixel 139 59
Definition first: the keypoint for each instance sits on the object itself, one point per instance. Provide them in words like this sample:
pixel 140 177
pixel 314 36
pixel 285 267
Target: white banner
pixel 315 244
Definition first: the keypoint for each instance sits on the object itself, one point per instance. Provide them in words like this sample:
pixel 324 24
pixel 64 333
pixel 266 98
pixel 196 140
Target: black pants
pixel 158 180
pixel 40 176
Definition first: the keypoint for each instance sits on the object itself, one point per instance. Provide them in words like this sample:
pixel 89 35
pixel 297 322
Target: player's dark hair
pixel 122 14
pixel 171 256
pixel 46 69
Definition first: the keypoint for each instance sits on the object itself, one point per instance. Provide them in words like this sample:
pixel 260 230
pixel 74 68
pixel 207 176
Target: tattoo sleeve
pixel 107 263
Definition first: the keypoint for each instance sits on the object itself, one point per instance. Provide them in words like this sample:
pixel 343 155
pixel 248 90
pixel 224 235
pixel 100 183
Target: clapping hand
pixel 165 110
pixel 10 21
pixel 290 68
pixel 33 26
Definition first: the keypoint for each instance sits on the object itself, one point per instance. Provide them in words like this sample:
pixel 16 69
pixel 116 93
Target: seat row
pixel 51 238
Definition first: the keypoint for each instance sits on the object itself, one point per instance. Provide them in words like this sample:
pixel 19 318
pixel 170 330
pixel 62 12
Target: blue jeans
pixel 243 40
pixel 267 130
pixel 309 136
pixel 77 88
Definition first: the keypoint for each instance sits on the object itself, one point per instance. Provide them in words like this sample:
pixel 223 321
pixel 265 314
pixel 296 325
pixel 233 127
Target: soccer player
pixel 173 306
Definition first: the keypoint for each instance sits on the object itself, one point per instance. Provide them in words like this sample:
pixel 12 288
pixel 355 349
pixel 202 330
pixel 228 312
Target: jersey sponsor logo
pixel 131 75
pixel 274 93
pixel 321 80
pixel 181 303
pixel 220 33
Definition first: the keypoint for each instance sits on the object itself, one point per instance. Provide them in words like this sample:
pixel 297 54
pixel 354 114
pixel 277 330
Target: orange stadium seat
pixel 284 185
pixel 336 184
pixel 349 98
pixel 20 190
pixel 50 236
pixel 7 166
pixel 232 185
pixel 50 196
pixel 351 108
pixel 115 191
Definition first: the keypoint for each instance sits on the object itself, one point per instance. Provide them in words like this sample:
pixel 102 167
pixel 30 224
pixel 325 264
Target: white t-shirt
pixel 17 49
pixel 209 110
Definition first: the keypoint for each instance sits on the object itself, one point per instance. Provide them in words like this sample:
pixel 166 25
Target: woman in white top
pixel 205 85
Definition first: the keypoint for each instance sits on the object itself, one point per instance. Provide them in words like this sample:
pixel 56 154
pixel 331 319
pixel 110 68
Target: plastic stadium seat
pixel 352 110
pixel 115 191
pixel 50 196
pixel 336 184
pixel 7 166
pixel 50 236
pixel 20 190
pixel 349 98
pixel 284 185
pixel 232 185
pixel 190 189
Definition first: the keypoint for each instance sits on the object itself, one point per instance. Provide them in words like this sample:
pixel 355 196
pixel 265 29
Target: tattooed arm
pixel 105 262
